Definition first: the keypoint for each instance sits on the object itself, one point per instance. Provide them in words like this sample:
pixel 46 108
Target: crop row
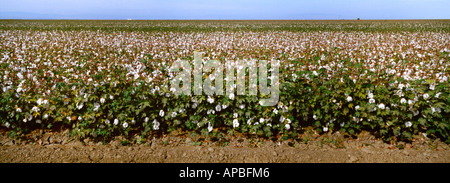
pixel 101 84
pixel 228 25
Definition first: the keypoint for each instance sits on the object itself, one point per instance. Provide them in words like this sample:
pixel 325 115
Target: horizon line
pixel 131 19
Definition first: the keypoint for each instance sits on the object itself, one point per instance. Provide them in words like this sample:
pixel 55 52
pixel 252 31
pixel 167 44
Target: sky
pixel 224 9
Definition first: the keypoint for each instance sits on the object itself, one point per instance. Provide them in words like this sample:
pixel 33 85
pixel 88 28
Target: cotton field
pixel 390 81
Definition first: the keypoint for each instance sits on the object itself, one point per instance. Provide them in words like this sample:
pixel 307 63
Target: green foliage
pixel 112 102
pixel 225 25
pixel 302 103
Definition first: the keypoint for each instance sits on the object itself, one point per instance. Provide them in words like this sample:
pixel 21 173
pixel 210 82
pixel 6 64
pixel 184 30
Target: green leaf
pixel 410 116
pixel 422 121
pixel 345 111
pixel 317 124
pixel 407 134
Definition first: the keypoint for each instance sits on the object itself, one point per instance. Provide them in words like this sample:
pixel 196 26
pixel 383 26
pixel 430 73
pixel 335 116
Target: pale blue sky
pixel 224 9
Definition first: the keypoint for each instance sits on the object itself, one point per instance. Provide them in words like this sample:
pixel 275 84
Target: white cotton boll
pixel 280 105
pixel 242 106
pixel 161 113
pixel 403 100
pixel 444 79
pixel 96 106
pixel 372 101
pixel 235 115
pixel 210 111
pixel 35 109
pixel 281 119
pixel 210 128
pixel 218 108
pixel 39 101
pixel 125 125
pixel 19 75
pixel 399 93
pixel 155 125
pixel 288 126
pixel 235 123
pixel 426 96
pixel 408 124
pixel 370 95
pixel 224 106
pixel 437 95
pixel 325 129
pixel 79 106
pixel 349 99
pixel 432 87
pixel 381 106
pixel 116 121
pixel 102 100
pixel 210 99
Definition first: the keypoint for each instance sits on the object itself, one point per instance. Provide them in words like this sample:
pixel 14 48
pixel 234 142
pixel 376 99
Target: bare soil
pixel 54 147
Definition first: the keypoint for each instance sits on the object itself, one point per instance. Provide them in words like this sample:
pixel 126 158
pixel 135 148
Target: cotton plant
pixel 114 82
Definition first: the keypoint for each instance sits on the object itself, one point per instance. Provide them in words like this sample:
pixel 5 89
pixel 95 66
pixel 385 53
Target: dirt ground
pixel 51 147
